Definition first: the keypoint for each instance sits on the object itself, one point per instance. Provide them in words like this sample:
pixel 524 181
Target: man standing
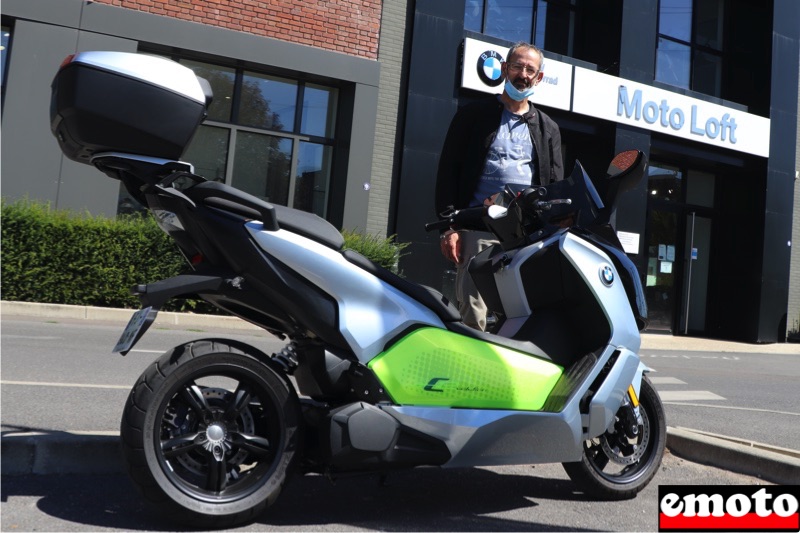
pixel 490 143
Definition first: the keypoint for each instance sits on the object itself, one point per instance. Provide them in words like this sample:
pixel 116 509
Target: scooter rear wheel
pixel 615 467
pixel 210 433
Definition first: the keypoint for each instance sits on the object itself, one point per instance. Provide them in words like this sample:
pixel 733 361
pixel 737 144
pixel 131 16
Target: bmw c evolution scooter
pixel 378 373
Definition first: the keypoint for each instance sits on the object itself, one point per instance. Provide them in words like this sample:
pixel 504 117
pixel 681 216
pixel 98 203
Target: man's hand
pixel 451 246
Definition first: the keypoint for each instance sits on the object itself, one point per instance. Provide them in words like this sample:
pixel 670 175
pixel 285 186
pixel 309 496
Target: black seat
pixel 274 217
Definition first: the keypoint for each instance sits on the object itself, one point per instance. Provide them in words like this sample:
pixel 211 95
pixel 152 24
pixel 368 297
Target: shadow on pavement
pixel 421 500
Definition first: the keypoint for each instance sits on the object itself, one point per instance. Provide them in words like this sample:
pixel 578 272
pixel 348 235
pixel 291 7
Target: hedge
pixel 62 257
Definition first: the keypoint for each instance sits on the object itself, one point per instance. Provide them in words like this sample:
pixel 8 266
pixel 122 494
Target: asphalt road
pixel 60 374
pixel 751 396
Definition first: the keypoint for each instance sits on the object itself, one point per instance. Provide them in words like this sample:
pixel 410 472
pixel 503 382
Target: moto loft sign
pixel 627 102
pixel 633 106
pixel 619 100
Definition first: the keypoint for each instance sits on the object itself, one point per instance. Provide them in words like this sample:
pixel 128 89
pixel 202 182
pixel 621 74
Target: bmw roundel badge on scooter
pixel 378 373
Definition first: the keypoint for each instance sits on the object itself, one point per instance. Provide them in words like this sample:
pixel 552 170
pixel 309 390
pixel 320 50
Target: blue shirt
pixel 509 160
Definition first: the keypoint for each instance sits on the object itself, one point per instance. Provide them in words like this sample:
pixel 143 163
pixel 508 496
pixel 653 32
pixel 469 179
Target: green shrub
pixel 69 258
pixel 382 250
pixel 62 257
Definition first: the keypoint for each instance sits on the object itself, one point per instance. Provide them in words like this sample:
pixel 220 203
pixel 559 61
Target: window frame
pixel 695 50
pixel 291 131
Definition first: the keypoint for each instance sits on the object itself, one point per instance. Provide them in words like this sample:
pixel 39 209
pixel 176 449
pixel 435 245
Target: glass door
pixel 679 223
pixel 662 258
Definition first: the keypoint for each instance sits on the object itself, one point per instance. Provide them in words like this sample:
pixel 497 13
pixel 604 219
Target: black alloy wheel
pixel 210 432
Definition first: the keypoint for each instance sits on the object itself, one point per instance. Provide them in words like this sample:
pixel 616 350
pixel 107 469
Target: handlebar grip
pixel 439 224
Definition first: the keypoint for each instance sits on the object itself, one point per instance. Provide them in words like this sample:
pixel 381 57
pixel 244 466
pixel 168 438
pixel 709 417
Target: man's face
pixel 522 69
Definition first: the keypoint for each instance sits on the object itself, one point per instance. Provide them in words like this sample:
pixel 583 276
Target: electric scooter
pixel 378 373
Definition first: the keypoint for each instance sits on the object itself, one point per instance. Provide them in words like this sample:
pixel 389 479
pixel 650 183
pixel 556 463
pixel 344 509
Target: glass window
pixel 675 19
pixel 268 102
pixel 555 27
pixel 5 32
pixel 222 81
pixel 664 182
pixel 541 24
pixel 473 15
pixel 672 63
pixel 549 24
pixel 319 110
pixel 208 152
pixel 262 166
pixel 313 176
pixel 700 188
pixel 707 73
pixel 510 19
pixel 233 145
pixel 690 55
pixel 708 23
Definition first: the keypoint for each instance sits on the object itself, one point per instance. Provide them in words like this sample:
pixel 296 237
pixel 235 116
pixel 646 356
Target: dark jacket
pixel 472 132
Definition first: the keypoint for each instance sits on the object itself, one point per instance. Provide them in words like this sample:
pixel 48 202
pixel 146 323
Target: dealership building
pixel 341 107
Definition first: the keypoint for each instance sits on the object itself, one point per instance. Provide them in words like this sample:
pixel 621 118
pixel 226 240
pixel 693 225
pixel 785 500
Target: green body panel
pixel 436 367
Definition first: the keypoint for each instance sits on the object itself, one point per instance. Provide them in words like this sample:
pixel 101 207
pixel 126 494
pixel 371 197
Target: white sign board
pixel 481 72
pixel 629 241
pixel 627 102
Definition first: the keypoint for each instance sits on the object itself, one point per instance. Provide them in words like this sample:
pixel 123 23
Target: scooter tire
pixel 591 475
pixel 211 433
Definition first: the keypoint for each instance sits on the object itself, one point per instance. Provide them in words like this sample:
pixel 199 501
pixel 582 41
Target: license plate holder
pixel 137 326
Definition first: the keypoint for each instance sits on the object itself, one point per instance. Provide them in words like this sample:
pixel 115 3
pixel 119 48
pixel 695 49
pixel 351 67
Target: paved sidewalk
pixel 81 453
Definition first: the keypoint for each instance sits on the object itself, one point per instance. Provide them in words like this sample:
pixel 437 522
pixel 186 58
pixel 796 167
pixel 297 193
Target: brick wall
pixel 347 26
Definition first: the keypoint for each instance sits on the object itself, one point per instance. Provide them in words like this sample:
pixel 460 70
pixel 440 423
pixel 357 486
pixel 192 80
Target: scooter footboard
pixel 608 398
pixel 498 437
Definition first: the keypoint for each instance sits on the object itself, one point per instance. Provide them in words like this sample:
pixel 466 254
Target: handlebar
pixel 439 224
pixel 469 218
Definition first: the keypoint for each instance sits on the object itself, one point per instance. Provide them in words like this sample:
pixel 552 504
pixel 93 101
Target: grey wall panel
pixel 59 12
pixel 32 162
pixel 362 142
pixel 31 158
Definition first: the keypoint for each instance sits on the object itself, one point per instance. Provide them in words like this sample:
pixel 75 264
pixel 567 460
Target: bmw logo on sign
pixel 606 275
pixel 489 68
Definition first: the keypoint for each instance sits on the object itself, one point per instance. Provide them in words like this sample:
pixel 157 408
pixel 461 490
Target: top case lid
pixel 151 69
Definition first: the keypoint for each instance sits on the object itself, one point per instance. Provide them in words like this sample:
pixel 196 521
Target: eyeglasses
pixel 517 67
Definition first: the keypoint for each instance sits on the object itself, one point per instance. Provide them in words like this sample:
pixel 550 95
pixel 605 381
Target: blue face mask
pixel 516 94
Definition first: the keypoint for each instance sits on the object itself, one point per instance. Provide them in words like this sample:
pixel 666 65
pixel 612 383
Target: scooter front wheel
pixel 210 433
pixel 616 467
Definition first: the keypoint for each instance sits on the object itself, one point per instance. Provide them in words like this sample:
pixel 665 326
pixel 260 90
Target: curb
pixel 770 463
pixel 94 453
pixel 121 316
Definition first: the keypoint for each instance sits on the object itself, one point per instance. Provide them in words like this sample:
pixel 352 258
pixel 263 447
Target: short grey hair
pixel 522 45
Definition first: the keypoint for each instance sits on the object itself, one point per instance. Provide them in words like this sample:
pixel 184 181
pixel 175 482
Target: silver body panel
pixel 371 312
pixel 589 260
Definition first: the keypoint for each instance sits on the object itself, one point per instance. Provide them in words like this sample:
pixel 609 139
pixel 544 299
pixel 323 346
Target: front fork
pixel 630 417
